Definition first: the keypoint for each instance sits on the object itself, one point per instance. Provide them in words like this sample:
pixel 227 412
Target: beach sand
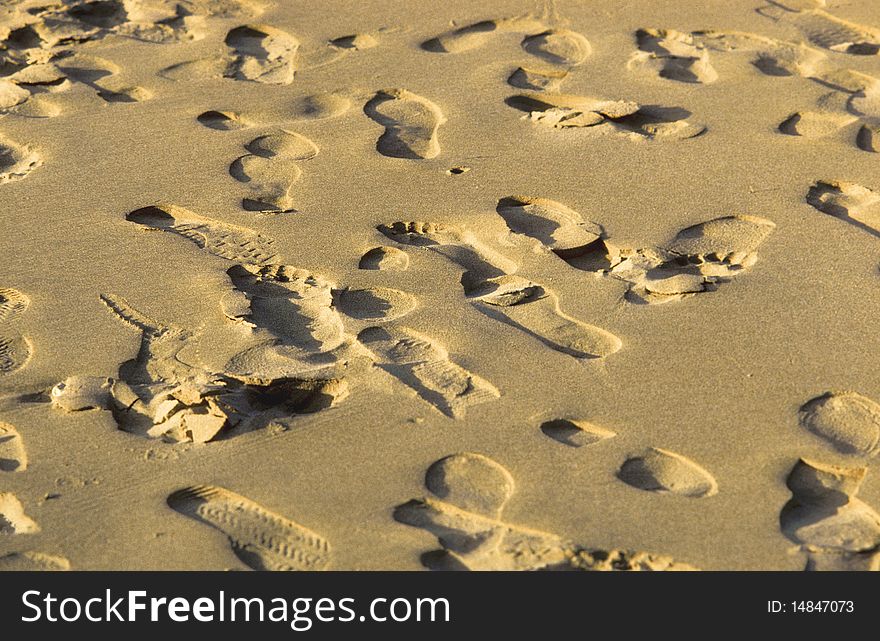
pixel 465 285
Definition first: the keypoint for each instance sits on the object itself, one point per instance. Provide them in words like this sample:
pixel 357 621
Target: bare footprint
pixel 13 520
pixel 118 91
pixel 385 258
pixel 263 540
pixel 868 138
pixel 848 201
pixel 558 47
pixel 283 144
pixel 825 30
pixel 815 124
pixel 411 123
pixel 33 562
pixel 374 304
pixel 269 180
pixel 262 54
pixel 537 78
pixel 271 169
pixel 220 239
pixel 318 106
pixel 558 227
pixel 462 39
pixel 834 528
pixel 13 456
pixel 17 161
pixel 355 41
pixel 454 243
pixel 516 301
pixel 662 471
pixel 222 120
pixel 601 117
pixel 770 56
pixel 467 520
pixel 15 348
pixel 698 259
pixel 424 365
pixel 575 432
pixel 847 420
pixel 535 310
pixel 673 55
pixel 477 34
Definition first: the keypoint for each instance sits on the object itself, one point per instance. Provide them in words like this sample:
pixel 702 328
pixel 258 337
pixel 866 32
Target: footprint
pixel 558 47
pixel 847 420
pixel 466 518
pixel 574 432
pixel 868 138
pixel 283 144
pixel 263 540
pixel 355 41
pixel 537 79
pixel 385 258
pixel 15 349
pixel 160 394
pixel 535 310
pixel 70 24
pixel 769 56
pixel 292 304
pixel 38 107
pixel 12 95
pixel 262 54
pixel 621 117
pixel 463 38
pixel 815 124
pixel 318 106
pixel 454 243
pixel 662 471
pixel 673 55
pixel 17 161
pixel 698 259
pixel 848 201
pixel 102 76
pixel 205 68
pixel 471 482
pixel 13 520
pixel 271 170
pixel 33 562
pixel 516 301
pixel 559 228
pixel 477 34
pixel 118 92
pixel 232 242
pixel 374 305
pixel 270 181
pixel 12 304
pixel 80 393
pixel 731 240
pixel 824 516
pixel 822 29
pixel 411 123
pixel 424 365
pixel 13 456
pixel 222 120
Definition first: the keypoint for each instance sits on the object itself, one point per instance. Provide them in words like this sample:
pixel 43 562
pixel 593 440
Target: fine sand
pixel 510 284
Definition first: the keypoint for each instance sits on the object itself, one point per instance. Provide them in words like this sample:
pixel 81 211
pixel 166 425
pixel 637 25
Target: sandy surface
pixel 627 278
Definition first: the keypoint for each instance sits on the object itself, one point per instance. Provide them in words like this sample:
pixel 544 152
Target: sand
pixel 474 285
